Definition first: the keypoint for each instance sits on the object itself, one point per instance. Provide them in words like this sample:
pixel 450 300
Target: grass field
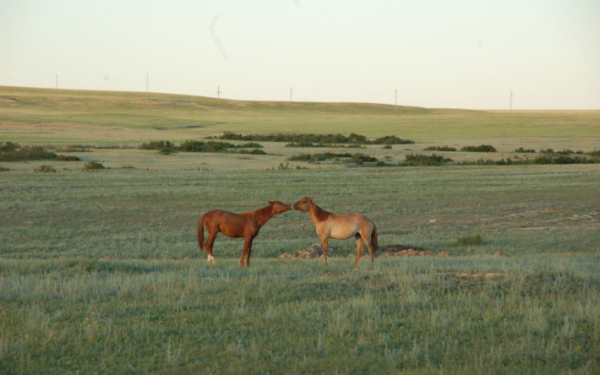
pixel 100 272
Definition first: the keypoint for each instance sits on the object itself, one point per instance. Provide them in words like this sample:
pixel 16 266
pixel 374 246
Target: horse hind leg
pixel 366 236
pixel 209 247
pixel 359 248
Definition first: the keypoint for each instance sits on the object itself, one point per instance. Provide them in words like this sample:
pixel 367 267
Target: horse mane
pixel 261 214
pixel 320 214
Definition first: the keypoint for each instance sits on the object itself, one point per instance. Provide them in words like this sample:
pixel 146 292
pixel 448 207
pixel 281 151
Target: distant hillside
pixel 48 115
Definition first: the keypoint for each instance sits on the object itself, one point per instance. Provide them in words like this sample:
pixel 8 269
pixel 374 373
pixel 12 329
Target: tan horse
pixel 244 225
pixel 340 227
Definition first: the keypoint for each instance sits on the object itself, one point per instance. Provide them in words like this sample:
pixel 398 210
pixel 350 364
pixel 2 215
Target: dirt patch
pixel 312 252
pixel 389 251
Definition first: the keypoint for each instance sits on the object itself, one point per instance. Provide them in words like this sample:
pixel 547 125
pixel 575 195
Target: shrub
pixel 157 145
pixel 565 152
pixel 25 153
pixel 522 150
pixel 595 153
pixel 547 151
pixel 45 169
pixel 392 140
pixel 93 166
pixel 424 160
pixel 67 158
pixel 360 158
pixel 480 148
pixel 387 147
pixel 440 148
pixel 2 169
pixel 8 146
pixel 469 241
pixel 353 138
pixel 255 151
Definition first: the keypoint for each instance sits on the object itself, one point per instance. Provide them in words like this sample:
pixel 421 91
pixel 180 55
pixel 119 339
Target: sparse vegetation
pixel 2 169
pixel 303 140
pixel 480 148
pixel 167 147
pixel 45 169
pixel 358 158
pixel 255 151
pixel 13 152
pixel 440 148
pixel 420 160
pixel 93 166
pixel 387 147
pixel 522 150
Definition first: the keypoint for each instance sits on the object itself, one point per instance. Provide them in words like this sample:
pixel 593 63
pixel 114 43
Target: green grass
pixel 67 116
pixel 101 272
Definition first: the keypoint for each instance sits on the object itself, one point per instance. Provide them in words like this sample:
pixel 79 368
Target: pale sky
pixel 452 54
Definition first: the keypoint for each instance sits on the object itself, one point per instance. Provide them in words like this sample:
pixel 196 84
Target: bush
pixel 253 152
pixel 440 148
pixel 595 153
pixel 480 148
pixel 2 169
pixel 469 241
pixel 93 166
pixel 392 140
pixel 387 147
pixel 353 138
pixel 67 158
pixel 157 145
pixel 342 157
pixel 522 150
pixel 45 169
pixel 26 153
pixel 547 151
pixel 424 160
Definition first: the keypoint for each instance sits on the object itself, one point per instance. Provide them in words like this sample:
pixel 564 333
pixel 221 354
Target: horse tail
pixel 201 232
pixel 374 239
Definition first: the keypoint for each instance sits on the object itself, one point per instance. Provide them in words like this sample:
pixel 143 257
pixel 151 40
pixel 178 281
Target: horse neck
pixel 262 215
pixel 317 214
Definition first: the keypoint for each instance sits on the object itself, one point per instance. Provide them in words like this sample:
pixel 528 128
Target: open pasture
pixel 100 272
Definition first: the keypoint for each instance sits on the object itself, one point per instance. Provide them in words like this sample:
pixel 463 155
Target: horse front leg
pixel 324 241
pixel 247 252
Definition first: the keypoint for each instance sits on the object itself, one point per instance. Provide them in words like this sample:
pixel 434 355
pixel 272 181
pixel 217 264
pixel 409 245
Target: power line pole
pixel 219 92
pixel 511 99
pixel 147 79
pixel 290 94
pixel 396 98
pixel 56 82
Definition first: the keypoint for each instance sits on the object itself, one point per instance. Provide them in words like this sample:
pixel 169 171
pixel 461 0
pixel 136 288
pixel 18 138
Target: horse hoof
pixel 211 259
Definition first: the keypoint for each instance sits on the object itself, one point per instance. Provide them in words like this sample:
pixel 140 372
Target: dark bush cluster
pixel 480 148
pixel 357 158
pixel 13 152
pixel 523 150
pixel 424 160
pixel 168 147
pixel 541 159
pixel 440 148
pixel 475 240
pixel 298 139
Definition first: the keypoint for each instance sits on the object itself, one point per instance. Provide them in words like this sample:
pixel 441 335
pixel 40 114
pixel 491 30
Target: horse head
pixel 280 207
pixel 303 204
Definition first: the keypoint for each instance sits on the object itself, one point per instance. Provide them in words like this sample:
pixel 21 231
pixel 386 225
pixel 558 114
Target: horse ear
pixel 271 202
pixel 311 198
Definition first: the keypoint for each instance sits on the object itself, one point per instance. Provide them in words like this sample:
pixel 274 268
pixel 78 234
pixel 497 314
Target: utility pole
pixel 290 94
pixel 511 98
pixel 219 92
pixel 147 79
pixel 56 82
pixel 396 98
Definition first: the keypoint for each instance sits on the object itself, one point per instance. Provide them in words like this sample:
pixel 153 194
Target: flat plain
pixel 100 272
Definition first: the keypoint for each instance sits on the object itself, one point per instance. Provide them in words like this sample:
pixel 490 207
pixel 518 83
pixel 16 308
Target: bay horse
pixel 246 225
pixel 340 227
